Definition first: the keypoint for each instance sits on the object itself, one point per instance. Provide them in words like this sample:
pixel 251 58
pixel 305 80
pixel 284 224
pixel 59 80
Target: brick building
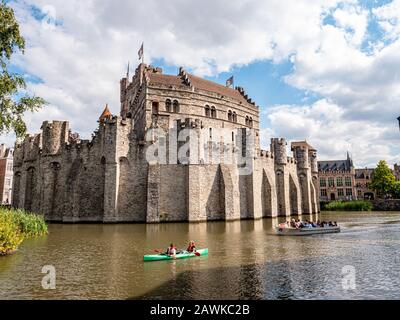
pixel 363 179
pixel 340 180
pixel 337 179
pixel 6 174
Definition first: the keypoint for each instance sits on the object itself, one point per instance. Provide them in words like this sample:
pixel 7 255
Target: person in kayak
pixel 192 247
pixel 171 251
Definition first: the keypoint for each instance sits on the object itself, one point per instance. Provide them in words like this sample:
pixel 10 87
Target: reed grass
pixel 356 205
pixel 17 225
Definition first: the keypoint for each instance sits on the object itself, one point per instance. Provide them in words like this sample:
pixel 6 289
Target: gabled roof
pixel 335 165
pixel 363 173
pixel 197 83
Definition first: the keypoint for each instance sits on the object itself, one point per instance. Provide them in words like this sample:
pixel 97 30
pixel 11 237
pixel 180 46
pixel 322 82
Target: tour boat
pixel 181 255
pixel 288 231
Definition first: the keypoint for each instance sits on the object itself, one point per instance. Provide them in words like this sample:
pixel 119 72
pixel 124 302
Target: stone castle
pixel 109 178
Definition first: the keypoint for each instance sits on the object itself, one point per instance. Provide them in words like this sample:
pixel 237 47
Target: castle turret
pixel 312 155
pixel 278 149
pixel 124 84
pixel 300 153
pixel 54 136
pixel 105 115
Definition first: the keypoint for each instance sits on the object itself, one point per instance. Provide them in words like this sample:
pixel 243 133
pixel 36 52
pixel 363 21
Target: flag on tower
pixel 127 72
pixel 141 52
pixel 229 82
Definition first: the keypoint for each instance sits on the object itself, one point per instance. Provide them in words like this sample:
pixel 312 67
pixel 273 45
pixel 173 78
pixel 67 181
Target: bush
pixel 16 225
pixel 10 235
pixel 358 205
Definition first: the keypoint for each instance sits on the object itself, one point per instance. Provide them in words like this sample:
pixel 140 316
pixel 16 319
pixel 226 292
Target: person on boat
pixel 171 251
pixel 192 247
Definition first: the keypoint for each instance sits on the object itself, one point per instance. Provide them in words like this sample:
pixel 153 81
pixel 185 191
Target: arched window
pixel 250 122
pixel 168 105
pixel 247 120
pixel 176 106
pixel 234 117
pixel 207 109
pixel 230 116
pixel 213 112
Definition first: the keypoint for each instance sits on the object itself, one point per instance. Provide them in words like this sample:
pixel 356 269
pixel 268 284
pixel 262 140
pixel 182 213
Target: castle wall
pixel 109 179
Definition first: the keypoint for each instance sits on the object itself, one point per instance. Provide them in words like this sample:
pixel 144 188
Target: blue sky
pixel 324 70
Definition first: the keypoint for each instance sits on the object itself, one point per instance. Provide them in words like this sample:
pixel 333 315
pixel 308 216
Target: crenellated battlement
pixel 55 135
pixel 245 95
pixel 266 154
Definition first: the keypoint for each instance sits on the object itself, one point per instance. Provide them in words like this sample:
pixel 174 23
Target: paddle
pixel 197 254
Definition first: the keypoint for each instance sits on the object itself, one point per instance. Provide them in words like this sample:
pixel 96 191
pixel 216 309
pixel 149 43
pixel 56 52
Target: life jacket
pixel 169 251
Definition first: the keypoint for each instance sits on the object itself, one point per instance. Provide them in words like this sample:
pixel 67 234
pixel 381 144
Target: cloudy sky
pixel 324 70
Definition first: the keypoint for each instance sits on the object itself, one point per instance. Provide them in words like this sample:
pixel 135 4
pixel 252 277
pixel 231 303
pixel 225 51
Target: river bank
pixel 17 225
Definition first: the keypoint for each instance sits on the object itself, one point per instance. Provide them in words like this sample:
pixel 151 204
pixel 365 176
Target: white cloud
pixel 82 59
pixel 324 126
pixel 389 18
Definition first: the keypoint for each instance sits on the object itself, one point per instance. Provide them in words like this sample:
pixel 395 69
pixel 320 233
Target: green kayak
pixel 182 255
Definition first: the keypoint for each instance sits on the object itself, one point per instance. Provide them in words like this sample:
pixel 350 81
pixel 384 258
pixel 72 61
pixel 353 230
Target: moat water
pixel 246 261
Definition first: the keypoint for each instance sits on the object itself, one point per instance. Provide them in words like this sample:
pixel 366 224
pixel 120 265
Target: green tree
pixel 14 101
pixel 396 190
pixel 383 180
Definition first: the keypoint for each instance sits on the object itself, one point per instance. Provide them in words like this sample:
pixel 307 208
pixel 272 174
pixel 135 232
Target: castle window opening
pixel 230 116
pixel 247 120
pixel 155 107
pixel 168 105
pixel 322 182
pixel 324 193
pixel 207 110
pixel 233 137
pixel 250 122
pixel 340 192
pixel 339 181
pixel 331 182
pixel 211 134
pixel 234 117
pixel 349 192
pixel 213 112
pixel 176 106
pixel 347 181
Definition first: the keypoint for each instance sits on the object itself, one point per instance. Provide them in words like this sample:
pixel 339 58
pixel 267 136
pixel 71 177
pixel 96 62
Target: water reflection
pixel 246 261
